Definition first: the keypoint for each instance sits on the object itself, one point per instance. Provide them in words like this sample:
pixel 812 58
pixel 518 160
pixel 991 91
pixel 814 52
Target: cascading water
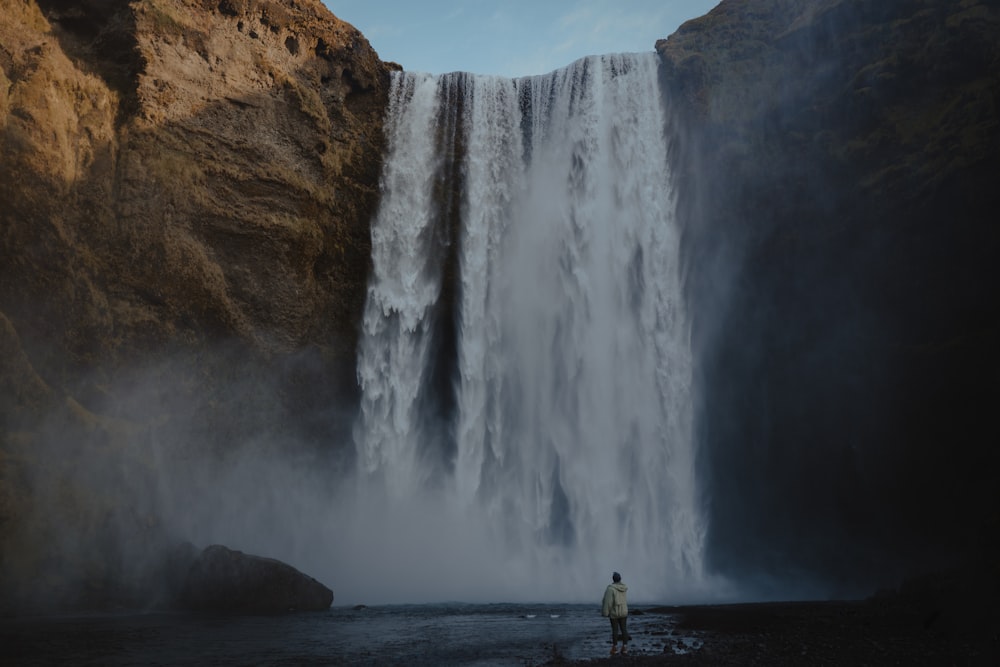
pixel 525 361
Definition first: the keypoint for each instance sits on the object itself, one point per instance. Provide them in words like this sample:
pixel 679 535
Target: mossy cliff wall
pixel 185 192
pixel 837 168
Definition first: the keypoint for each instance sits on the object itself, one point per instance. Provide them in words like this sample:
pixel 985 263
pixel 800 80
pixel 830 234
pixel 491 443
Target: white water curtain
pixel 568 450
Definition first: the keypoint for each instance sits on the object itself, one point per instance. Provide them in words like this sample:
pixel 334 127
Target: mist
pixel 738 351
pixel 547 297
pixel 523 423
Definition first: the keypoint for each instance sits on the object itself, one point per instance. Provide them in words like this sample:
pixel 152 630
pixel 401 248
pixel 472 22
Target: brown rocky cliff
pixel 185 192
pixel 215 178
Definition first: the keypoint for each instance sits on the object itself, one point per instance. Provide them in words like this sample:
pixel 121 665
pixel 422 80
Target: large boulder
pixel 224 580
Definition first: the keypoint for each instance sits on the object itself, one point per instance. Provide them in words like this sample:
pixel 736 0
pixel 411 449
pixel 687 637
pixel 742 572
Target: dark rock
pixel 836 165
pixel 224 580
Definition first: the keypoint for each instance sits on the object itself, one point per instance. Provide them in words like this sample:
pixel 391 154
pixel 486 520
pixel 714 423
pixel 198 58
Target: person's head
pixel 616 577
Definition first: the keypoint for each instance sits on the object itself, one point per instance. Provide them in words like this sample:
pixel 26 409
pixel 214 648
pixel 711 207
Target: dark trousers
pixel 619 631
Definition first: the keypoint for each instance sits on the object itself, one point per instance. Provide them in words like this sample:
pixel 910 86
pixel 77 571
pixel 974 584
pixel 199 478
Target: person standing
pixel 615 607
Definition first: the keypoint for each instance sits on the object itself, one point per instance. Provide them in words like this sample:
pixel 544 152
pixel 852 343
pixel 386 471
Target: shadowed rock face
pixel 836 173
pixel 185 191
pixel 224 580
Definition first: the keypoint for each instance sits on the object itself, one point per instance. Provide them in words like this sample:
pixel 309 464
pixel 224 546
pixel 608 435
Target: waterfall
pixel 525 361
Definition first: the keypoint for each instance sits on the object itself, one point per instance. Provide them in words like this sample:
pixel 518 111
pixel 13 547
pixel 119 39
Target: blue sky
pixel 511 37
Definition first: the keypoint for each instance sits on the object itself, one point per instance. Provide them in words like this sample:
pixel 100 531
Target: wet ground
pixel 824 633
pixel 483 635
pixel 875 632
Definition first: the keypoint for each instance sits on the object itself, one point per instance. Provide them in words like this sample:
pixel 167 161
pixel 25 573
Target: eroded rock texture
pixel 185 192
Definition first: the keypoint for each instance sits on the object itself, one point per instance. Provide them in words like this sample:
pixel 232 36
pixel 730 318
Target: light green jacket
pixel 614 604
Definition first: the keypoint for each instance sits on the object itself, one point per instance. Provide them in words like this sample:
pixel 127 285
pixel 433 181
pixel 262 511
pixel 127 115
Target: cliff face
pixel 185 190
pixel 837 167
pixel 149 146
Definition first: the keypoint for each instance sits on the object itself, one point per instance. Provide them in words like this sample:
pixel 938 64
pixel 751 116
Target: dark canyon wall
pixel 185 190
pixel 838 177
